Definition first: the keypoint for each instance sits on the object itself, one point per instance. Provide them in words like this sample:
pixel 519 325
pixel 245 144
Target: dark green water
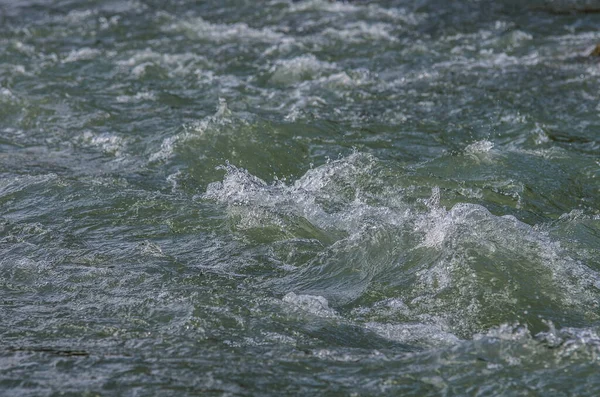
pixel 299 198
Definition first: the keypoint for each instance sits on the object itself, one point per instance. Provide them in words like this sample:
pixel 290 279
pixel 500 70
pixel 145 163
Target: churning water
pixel 299 197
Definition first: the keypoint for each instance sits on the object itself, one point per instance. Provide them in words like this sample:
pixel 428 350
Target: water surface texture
pixel 299 198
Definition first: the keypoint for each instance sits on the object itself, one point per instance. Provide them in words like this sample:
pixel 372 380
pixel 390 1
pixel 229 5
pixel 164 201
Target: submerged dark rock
pixel 596 51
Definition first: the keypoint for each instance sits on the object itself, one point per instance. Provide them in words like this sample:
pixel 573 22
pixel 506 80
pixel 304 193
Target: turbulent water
pixel 299 198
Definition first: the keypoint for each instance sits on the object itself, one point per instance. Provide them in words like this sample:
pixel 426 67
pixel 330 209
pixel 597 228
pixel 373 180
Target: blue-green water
pixel 299 198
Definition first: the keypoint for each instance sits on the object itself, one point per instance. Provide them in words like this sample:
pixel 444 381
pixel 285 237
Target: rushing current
pixel 232 197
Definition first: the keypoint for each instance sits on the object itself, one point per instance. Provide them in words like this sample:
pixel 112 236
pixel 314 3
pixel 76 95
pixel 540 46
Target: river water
pixel 299 198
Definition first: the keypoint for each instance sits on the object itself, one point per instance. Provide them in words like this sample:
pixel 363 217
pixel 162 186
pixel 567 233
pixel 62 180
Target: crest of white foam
pixel 571 343
pixel 395 14
pixel 323 5
pixel 566 344
pixel 82 54
pixel 193 131
pixel 76 16
pixel 284 46
pixel 490 60
pixel 176 64
pixel 312 304
pixel 358 32
pixel 24 48
pixel 469 267
pixel 483 146
pixel 414 333
pixel 108 143
pixel 220 33
pixel 167 147
pixel 513 332
pixel 338 80
pixel 240 187
pixel 329 197
pixel 6 93
pixel 138 97
pixel 297 69
pixel 474 245
pixel 151 249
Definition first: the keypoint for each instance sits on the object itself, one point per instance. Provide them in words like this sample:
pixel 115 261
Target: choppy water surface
pixel 312 197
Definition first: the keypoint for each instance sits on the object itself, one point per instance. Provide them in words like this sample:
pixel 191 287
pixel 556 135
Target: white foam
pixel 334 355
pixel 220 33
pixel 6 93
pixel 359 32
pixel 297 69
pixel 24 48
pixel 168 145
pixel 483 146
pixel 396 14
pixel 329 196
pixel 151 249
pixel 414 333
pixel 565 344
pixel 138 97
pixel 283 47
pixel 510 332
pixel 194 131
pixel 458 251
pixel 77 16
pixel 82 54
pixel 140 70
pixel 175 64
pixel 572 343
pixel 316 305
pixel 108 143
pixel 20 69
pixel 323 5
pixel 107 23
pixel 469 229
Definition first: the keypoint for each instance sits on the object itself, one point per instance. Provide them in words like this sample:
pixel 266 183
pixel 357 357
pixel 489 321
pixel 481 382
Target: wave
pixel 364 239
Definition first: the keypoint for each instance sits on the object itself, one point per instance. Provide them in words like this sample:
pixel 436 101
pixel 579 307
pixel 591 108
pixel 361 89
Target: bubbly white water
pixel 461 261
pixel 299 197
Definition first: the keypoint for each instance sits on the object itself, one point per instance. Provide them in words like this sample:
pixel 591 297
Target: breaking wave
pixel 345 232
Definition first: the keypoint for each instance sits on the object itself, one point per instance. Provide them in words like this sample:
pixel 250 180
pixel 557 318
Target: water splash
pixel 462 270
